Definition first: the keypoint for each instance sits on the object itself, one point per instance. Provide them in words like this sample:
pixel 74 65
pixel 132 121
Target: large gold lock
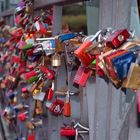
pixel 56 60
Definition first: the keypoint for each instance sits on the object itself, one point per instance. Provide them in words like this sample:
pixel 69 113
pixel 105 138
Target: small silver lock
pixel 56 60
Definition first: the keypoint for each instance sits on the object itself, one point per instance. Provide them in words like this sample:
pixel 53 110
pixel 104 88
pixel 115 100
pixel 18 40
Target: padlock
pixel 31 136
pixel 37 122
pixel 108 63
pixel 49 73
pixel 22 116
pixel 30 74
pixel 67 36
pixel 29 8
pixel 39 96
pixel 35 92
pixel 30 38
pixel 56 60
pixel 138 97
pixel 40 27
pixel 117 38
pixel 15 59
pixel 57 107
pixel 25 93
pixel 82 75
pixel 59 46
pixel 20 107
pixel 122 63
pixel 4 83
pixel 85 57
pixel 33 79
pixel 68 131
pixel 133 80
pixel 50 92
pixel 27 47
pixel 30 125
pixel 10 94
pixel 38 107
pixel 67 106
pixel 99 70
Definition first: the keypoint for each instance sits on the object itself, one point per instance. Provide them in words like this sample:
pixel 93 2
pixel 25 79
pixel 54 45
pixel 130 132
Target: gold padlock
pixel 56 60
pixel 30 125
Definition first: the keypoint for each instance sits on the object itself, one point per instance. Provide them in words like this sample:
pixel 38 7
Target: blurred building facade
pixel 7 4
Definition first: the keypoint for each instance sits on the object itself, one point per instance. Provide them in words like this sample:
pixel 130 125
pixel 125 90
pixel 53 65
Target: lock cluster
pixel 32 61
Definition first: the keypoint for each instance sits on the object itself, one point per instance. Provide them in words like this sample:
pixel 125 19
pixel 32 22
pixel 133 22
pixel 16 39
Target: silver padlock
pixel 56 60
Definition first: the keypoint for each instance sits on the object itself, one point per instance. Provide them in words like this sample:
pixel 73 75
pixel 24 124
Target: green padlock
pixel 27 47
pixel 33 79
pixel 24 56
pixel 93 62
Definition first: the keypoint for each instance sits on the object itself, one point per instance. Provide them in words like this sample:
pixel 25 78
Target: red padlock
pixel 31 67
pixel 22 116
pixel 31 136
pixel 67 131
pixel 51 92
pixel 49 73
pixel 40 27
pixel 24 90
pixel 15 59
pixel 108 62
pixel 139 102
pixel 85 58
pixel 117 38
pixel 30 74
pixel 57 107
pixel 82 76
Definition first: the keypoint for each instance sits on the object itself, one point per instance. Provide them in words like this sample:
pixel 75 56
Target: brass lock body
pixel 56 60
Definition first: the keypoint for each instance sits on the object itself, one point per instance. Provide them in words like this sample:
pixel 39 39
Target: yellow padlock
pixel 35 92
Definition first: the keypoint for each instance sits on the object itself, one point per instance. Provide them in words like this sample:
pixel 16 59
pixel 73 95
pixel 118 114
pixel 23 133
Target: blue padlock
pixel 122 64
pixel 64 37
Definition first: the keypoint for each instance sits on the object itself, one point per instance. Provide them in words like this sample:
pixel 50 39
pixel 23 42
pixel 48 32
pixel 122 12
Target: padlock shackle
pixel 81 126
pixel 92 37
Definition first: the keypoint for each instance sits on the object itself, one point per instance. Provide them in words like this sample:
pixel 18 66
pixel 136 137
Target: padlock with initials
pixel 57 107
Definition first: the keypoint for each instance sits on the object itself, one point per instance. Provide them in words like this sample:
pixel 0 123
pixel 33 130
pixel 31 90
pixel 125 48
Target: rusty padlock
pixel 56 60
